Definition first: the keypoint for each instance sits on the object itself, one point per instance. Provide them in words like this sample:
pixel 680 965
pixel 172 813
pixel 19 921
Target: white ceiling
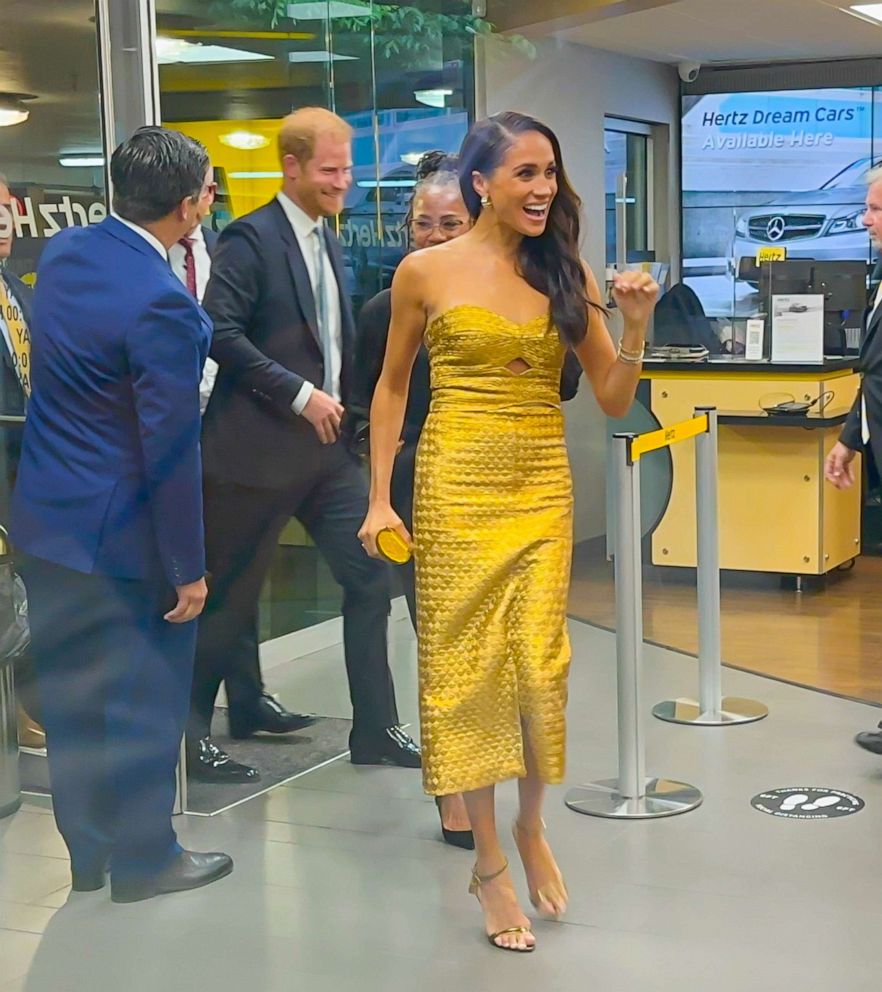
pixel 735 31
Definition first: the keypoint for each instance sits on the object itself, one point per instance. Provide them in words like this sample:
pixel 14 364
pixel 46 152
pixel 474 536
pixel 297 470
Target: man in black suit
pixel 863 428
pixel 190 259
pixel 16 300
pixel 283 336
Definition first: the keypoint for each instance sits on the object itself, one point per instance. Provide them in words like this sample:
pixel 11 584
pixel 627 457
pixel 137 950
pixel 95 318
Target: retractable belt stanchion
pixel 632 795
pixel 710 709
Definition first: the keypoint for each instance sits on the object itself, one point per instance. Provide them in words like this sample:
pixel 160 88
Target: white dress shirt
pixel 202 262
pixel 303 226
pixel 145 234
pixel 865 424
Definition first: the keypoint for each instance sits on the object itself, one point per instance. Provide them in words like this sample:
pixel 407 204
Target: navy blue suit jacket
pixel 110 478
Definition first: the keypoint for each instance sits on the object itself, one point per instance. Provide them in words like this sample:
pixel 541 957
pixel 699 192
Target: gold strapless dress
pixel 493 545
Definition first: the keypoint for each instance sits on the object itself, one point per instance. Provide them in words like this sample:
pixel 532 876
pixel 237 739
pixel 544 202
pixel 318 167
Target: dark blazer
pixel 266 343
pixel 871 389
pixel 110 480
pixel 370 350
pixel 211 239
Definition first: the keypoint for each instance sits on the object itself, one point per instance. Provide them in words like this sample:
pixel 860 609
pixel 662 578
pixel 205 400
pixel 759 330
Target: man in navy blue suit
pixel 107 512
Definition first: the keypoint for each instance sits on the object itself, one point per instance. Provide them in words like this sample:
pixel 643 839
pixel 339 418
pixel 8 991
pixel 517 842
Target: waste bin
pixel 10 786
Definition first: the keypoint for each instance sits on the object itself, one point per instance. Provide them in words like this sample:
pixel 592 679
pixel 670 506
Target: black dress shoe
pixel 464 839
pixel 391 746
pixel 206 762
pixel 189 870
pixel 269 717
pixel 88 879
pixel 870 740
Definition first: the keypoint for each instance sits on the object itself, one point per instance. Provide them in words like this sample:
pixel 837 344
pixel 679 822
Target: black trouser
pixel 402 503
pixel 242 529
pixel 114 682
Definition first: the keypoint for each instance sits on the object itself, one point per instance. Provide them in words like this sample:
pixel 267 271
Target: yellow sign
pixel 667 436
pixel 778 253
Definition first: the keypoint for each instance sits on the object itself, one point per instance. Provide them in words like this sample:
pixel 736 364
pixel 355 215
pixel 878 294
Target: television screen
pixel 782 171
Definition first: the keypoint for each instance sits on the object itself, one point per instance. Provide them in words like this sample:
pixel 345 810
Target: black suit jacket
pixel 871 389
pixel 266 343
pixel 210 237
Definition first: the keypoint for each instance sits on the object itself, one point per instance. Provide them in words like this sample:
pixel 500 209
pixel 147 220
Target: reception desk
pixel 777 514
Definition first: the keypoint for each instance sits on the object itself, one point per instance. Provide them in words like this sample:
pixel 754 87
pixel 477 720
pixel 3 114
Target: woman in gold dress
pixel 497 308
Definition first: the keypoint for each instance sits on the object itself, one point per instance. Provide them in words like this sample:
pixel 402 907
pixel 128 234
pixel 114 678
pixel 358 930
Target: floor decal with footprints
pixel 801 803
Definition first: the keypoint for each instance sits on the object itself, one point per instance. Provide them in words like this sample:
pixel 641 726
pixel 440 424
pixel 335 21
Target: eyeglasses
pixel 209 188
pixel 447 226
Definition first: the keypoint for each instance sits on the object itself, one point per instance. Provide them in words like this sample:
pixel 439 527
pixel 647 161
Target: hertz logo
pixel 42 220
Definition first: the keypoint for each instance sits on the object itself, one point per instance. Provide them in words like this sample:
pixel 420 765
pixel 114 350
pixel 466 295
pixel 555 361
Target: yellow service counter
pixel 777 514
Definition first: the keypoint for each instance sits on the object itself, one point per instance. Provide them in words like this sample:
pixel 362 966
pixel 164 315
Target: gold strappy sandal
pixel 555 891
pixel 475 890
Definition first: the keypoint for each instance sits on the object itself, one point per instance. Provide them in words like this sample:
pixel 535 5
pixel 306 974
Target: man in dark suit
pixel 107 512
pixel 190 258
pixel 283 336
pixel 16 300
pixel 863 428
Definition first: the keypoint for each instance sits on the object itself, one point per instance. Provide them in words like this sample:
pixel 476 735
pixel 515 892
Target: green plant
pixel 402 31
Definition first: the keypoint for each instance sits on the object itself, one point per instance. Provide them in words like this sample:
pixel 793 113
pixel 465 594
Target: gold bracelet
pixel 629 358
pixel 628 353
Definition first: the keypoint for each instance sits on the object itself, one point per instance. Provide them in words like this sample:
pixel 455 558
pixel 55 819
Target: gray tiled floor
pixel 340 883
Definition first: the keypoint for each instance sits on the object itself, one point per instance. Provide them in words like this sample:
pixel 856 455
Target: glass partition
pixel 401 74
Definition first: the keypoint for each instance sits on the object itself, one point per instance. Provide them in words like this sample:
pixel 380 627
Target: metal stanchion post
pixel 711 709
pixel 180 805
pixel 631 795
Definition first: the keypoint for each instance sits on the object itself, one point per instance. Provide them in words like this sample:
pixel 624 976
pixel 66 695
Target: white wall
pixel 572 89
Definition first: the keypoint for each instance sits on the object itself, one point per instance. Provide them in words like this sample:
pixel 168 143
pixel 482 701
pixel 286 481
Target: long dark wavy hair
pixel 550 263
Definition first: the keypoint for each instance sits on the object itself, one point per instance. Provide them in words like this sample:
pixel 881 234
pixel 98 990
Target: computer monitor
pixel 790 277
pixel 843 284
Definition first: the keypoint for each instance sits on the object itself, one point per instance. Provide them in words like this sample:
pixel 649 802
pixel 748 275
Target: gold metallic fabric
pixel 493 547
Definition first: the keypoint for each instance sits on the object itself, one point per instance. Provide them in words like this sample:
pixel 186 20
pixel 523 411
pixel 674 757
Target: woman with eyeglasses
pixel 437 214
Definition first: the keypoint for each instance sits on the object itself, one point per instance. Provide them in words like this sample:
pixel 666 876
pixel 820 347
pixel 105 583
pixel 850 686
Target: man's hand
pixel 837 467
pixel 191 600
pixel 324 413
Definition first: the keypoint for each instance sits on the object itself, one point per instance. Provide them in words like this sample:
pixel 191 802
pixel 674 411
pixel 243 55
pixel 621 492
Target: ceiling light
pixel 385 183
pixel 171 51
pixel 872 10
pixel 255 175
pixel 321 56
pixel 312 11
pixel 246 141
pixel 12 110
pixel 84 161
pixel 432 98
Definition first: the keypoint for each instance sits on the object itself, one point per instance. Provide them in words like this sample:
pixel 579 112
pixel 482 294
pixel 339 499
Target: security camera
pixel 689 71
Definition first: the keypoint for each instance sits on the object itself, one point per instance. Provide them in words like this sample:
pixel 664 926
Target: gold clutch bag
pixel 393 547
